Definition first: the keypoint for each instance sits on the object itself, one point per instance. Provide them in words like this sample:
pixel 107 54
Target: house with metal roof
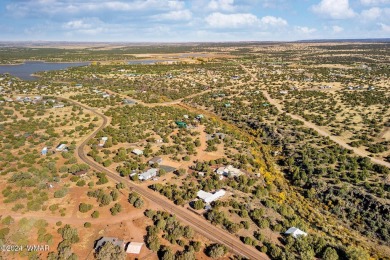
pixel 115 241
pixel 151 173
pixel 208 197
pixel 295 232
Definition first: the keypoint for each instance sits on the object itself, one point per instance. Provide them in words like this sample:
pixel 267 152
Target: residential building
pixel 115 241
pixel 137 152
pixel 61 148
pixel 295 232
pixel 44 151
pixel 208 197
pixel 229 171
pixel 151 173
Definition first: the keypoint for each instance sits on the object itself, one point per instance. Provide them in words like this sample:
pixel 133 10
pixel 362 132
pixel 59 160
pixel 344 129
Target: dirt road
pixel 198 223
pixel 320 130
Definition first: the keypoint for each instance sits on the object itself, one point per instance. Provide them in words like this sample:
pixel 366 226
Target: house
pixel 115 241
pixel 235 77
pixel 186 116
pixel 229 171
pixel 59 105
pixel 295 232
pixel 199 117
pixel 137 152
pixel 154 160
pixel 81 173
pixel 208 197
pixel 181 124
pixel 106 95
pixel 129 102
pixel 103 141
pixel 284 92
pixel 61 148
pixel 134 247
pixel 227 105
pixel 151 173
pixel 44 151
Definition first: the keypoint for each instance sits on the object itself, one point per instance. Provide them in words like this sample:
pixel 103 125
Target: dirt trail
pixel 319 130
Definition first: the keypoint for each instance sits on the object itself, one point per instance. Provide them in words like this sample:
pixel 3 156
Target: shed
pixel 181 124
pixel 154 160
pixel 137 152
pixel 134 247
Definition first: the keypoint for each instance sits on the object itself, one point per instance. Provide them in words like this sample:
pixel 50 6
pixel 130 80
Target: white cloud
pixel 337 29
pixel 180 15
pixel 304 29
pixel 374 2
pixel 371 14
pixel 224 5
pixel 273 21
pixel 384 27
pixel 335 9
pixel 51 7
pixel 220 20
pixel 240 20
pixel 76 25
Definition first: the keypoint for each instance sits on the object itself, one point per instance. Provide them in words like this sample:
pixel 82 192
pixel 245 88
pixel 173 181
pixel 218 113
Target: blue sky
pixel 192 20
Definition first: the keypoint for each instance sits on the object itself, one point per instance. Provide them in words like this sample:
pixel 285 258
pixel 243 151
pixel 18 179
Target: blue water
pixel 24 71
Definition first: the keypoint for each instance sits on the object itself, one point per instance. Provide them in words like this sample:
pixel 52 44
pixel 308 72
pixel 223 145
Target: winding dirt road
pixel 198 223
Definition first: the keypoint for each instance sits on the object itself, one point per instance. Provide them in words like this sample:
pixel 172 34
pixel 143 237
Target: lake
pixel 24 71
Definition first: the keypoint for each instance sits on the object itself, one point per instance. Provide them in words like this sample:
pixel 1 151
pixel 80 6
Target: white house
pixel 151 173
pixel 229 171
pixel 295 232
pixel 61 148
pixel 44 151
pixel 103 141
pixel 137 152
pixel 208 197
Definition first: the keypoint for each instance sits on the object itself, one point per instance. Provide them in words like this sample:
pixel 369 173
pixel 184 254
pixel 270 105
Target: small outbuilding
pixel 154 160
pixel 181 124
pixel 134 247
pixel 137 152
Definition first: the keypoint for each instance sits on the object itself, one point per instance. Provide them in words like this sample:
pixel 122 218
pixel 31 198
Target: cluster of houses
pixel 104 94
pixel 129 247
pixel 35 100
pixel 360 88
pixel 151 173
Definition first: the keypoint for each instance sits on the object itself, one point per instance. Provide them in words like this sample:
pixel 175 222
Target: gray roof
pixel 115 241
